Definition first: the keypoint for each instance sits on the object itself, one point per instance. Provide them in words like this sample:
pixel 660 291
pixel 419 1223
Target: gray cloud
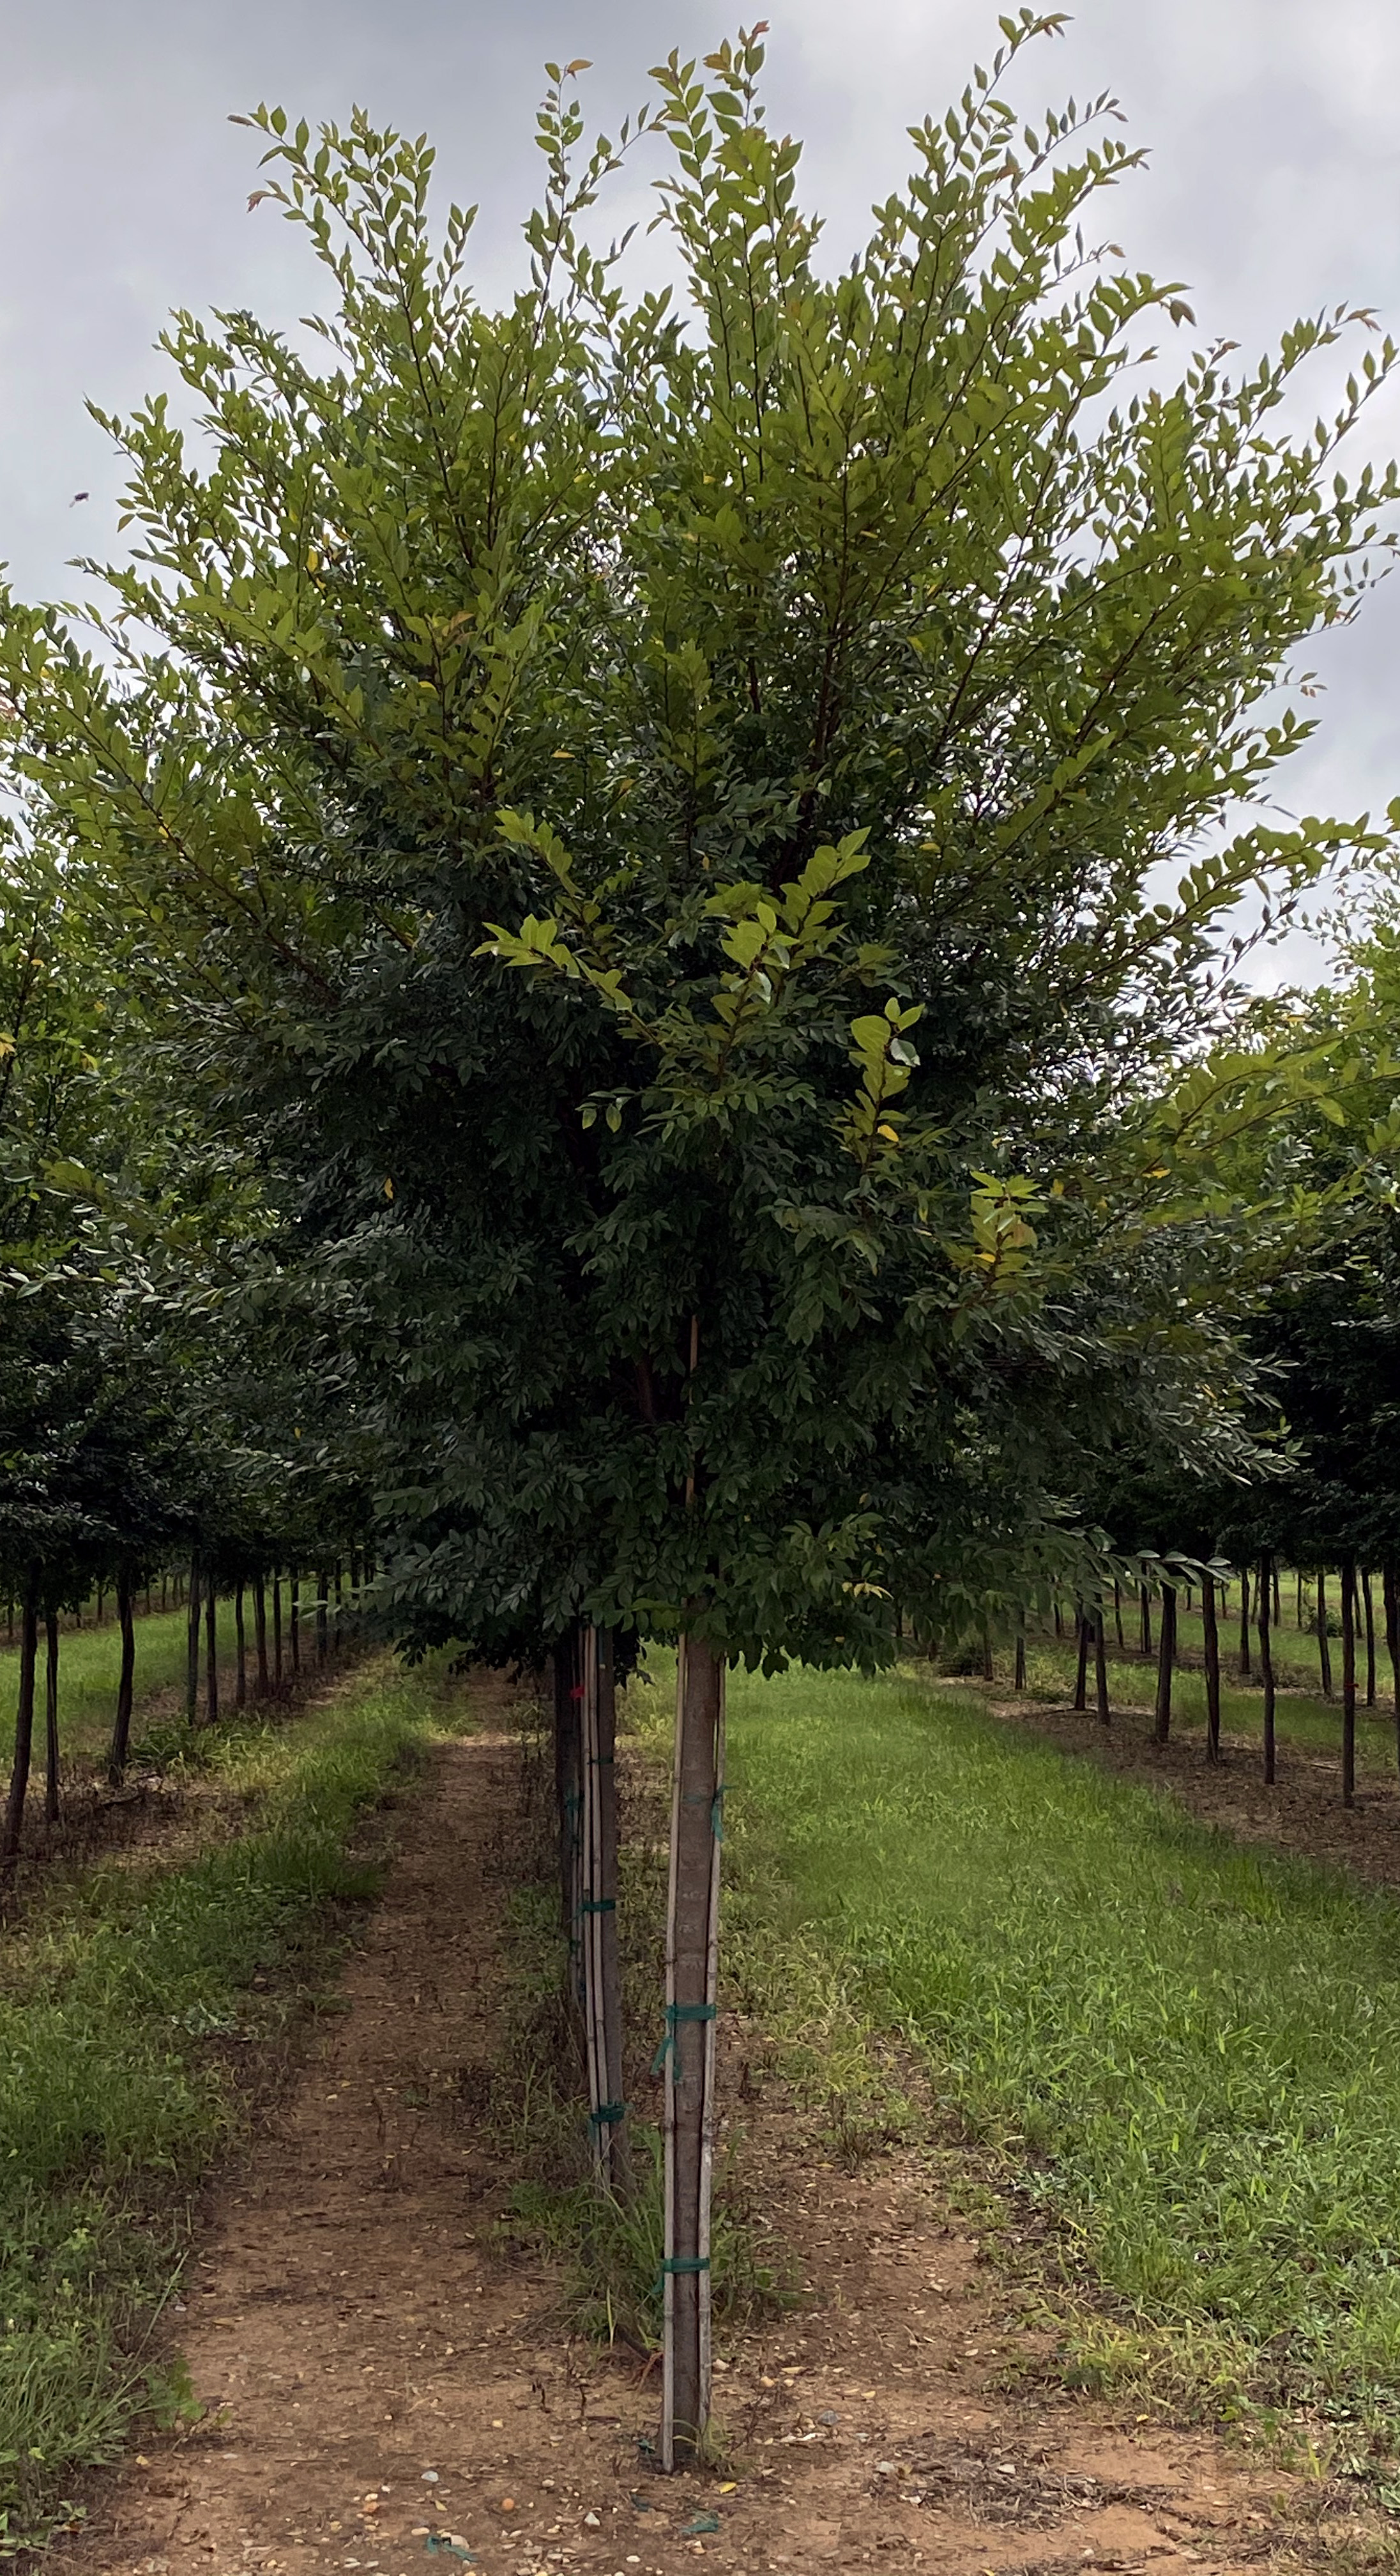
pixel 1272 189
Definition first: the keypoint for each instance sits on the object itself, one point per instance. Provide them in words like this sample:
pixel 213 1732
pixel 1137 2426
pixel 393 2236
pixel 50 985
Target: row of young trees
pixel 630 832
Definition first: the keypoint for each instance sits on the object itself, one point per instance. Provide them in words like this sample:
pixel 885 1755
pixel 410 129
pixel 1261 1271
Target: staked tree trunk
pixel 322 1614
pixel 601 1964
pixel 568 1783
pixel 1100 1669
pixel 211 1652
pixel 692 1977
pixel 1211 1632
pixel 1266 1664
pixel 277 1629
pixel 1118 1613
pixel 1020 1682
pixel 1145 1619
pixel 1278 1604
pixel 294 1620
pixel 51 1796
pixel 989 1670
pixel 1081 1672
pixel 193 1603
pixel 1324 1648
pixel 240 1646
pixel 120 1753
pixel 260 1632
pixel 1244 1624
pixel 1059 1618
pixel 1298 1614
pixel 24 1734
pixel 1348 1584
pixel 1369 1608
pixel 1390 1594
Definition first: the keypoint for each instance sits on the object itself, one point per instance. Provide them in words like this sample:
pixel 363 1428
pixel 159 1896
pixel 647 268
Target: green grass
pixel 1187 2051
pixel 88 1662
pixel 124 2008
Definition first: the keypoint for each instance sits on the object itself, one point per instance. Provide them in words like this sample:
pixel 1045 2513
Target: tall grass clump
pixel 1189 2050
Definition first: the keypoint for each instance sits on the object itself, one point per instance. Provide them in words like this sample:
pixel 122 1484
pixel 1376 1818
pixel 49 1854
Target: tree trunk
pixel 260 1632
pixel 989 1670
pixel 1211 1632
pixel 1167 1662
pixel 1059 1619
pixel 240 1643
pixel 51 1798
pixel 1278 1603
pixel 1348 1583
pixel 211 1653
pixel 1118 1614
pixel 1244 1624
pixel 1324 1649
pixel 121 1726
pixel 1298 1618
pixel 602 1967
pixel 1266 1664
pixel 24 1734
pixel 1020 1682
pixel 277 1629
pixel 193 1601
pixel 1145 1619
pixel 322 1614
pixel 1100 1669
pixel 1369 1607
pixel 1390 1593
pixel 692 1976
pixel 568 1795
pixel 294 1620
pixel 1081 1674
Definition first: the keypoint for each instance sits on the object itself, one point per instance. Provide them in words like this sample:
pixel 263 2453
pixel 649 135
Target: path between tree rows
pixel 382 2373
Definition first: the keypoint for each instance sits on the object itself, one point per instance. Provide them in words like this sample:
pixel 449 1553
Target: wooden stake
pixel 1266 1667
pixel 692 1973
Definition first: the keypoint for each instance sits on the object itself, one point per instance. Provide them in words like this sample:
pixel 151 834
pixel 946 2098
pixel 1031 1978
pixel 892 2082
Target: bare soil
pixel 388 2383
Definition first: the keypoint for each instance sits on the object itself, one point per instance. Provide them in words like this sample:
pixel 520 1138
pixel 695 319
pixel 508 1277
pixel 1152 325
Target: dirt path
pixel 388 2385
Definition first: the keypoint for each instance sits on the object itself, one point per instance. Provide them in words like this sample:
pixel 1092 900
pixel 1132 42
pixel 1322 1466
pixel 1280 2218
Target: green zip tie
pixel 607 2115
pixel 599 1905
pixel 676 2013
pixel 717 1814
pixel 685 2263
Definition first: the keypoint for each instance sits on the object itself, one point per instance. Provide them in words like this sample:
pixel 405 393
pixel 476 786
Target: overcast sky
pixel 1273 189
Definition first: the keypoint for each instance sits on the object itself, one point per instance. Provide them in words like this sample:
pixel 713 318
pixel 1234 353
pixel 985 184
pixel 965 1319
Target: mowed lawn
pixel 1190 2050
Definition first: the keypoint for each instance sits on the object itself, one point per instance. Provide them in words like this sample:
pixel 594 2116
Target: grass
pixel 88 1662
pixel 126 2012
pixel 1188 2053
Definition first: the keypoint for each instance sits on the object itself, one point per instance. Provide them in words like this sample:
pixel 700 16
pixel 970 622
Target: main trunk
pixel 1324 1649
pixel 1266 1667
pixel 121 1727
pixel 602 1980
pixel 211 1653
pixel 1390 1594
pixel 1100 1670
pixel 1244 1623
pixel 1369 1608
pixel 1081 1672
pixel 1166 1659
pixel 193 1603
pixel 692 1977
pixel 51 1798
pixel 240 1648
pixel 260 1632
pixel 1348 1579
pixel 24 1734
pixel 1211 1633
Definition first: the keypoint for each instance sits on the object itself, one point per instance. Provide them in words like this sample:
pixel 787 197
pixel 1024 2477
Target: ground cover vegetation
pixel 1183 2049
pixel 130 2005
pixel 622 966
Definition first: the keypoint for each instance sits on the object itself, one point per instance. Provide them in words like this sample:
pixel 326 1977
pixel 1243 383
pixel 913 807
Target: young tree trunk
pixel 989 1670
pixel 260 1632
pixel 1278 1603
pixel 240 1645
pixel 1118 1613
pixel 1369 1608
pixel 1081 1673
pixel 1211 1633
pixel 322 1615
pixel 1100 1669
pixel 211 1652
pixel 294 1620
pixel 277 1629
pixel 1266 1665
pixel 602 1966
pixel 1244 1624
pixel 1059 1618
pixel 568 1791
pixel 51 1798
pixel 692 1977
pixel 1324 1649
pixel 1390 1594
pixel 121 1727
pixel 1298 1611
pixel 24 1734
pixel 1020 1682
pixel 1348 1583
pixel 193 1603
pixel 1144 1619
